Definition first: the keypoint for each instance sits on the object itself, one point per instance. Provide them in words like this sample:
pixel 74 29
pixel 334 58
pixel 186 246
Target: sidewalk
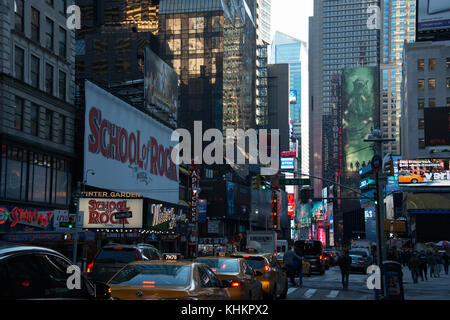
pixel 431 289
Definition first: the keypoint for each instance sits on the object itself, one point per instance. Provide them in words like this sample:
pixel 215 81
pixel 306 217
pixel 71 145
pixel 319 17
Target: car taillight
pixel 361 263
pixel 89 268
pixel 266 269
pixel 320 257
pixel 118 248
pixel 214 270
pixel 235 284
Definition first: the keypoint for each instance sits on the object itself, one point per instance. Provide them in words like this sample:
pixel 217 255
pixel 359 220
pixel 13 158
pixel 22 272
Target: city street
pixel 329 287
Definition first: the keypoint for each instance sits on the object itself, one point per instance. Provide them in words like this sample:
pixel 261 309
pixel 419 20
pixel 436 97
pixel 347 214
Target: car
pixel 312 252
pixel 359 263
pixel 326 259
pixel 32 272
pixel 243 280
pixel 167 280
pixel 272 276
pixel 113 257
pixel 333 257
pixel 365 253
pixel 406 177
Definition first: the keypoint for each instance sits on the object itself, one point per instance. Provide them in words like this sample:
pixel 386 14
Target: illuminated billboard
pixel 360 101
pixel 424 172
pixel 437 126
pixel 433 19
pixel 292 96
pixel 287 164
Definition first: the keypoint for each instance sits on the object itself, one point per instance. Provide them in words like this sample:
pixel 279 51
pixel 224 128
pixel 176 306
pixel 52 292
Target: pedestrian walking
pixel 414 266
pixel 293 263
pixel 445 258
pixel 344 263
pixel 439 263
pixel 423 270
pixel 431 261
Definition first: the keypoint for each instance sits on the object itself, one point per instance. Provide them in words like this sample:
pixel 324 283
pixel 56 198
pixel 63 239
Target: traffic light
pixel 263 182
pixel 71 221
pixel 389 168
pixel 256 182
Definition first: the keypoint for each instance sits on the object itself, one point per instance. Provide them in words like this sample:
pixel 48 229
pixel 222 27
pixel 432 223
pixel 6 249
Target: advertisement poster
pixel 160 87
pixel 424 172
pixel 99 212
pixel 437 126
pixel 433 15
pixel 292 96
pixel 126 150
pixel 359 115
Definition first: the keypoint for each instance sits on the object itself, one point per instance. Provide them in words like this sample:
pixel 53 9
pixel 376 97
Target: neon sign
pixel 27 217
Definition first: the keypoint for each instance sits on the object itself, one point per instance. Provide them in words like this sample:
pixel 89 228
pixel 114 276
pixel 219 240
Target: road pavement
pixel 329 287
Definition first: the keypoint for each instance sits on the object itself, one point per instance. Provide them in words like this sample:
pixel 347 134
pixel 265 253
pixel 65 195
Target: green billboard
pixel 360 112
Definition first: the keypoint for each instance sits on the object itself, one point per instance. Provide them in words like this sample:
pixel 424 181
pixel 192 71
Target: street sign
pixel 122 215
pixel 377 163
pixel 295 182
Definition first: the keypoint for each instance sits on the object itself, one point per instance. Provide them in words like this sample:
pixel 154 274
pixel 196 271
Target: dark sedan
pixel 359 264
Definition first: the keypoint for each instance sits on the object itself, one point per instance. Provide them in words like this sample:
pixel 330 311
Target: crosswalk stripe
pixel 290 290
pixel 308 294
pixel 333 294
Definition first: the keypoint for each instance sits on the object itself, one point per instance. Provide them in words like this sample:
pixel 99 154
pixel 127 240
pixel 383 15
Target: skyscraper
pixel 399 19
pixel 263 21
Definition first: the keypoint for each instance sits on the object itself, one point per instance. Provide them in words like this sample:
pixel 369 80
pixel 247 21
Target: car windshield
pixel 222 265
pixel 310 248
pixel 116 255
pixel 256 262
pixel 151 275
pixel 358 252
pixel 355 257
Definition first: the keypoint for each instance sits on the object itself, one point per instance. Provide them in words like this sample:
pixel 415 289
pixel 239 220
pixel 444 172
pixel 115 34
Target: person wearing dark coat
pixel 414 266
pixel 344 263
pixel 445 258
pixel 294 264
pixel 423 269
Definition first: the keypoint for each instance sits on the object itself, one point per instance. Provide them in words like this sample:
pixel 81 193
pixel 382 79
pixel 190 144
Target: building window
pixel 448 83
pixel 421 124
pixel 13 173
pixel 18 113
pixel 19 62
pixel 62 85
pixel 421 143
pixel 48 124
pixel 432 102
pixel 62 42
pixel 432 64
pixel 431 84
pixel 34 119
pixel 34 71
pixel 35 25
pixel 421 103
pixel 421 84
pixel 63 7
pixel 48 79
pixel 421 65
pixel 448 63
pixel 18 13
pixel 49 34
pixel 447 102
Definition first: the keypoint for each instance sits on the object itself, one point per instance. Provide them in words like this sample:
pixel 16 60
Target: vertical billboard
pixel 433 20
pixel 360 113
pixel 126 150
pixel 292 96
pixel 160 87
pixel 437 126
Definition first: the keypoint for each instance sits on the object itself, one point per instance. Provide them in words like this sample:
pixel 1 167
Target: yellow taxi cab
pixel 244 284
pixel 306 266
pixel 272 276
pixel 167 280
pixel 405 177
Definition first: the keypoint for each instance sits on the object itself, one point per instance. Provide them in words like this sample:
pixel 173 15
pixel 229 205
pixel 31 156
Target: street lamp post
pixel 376 138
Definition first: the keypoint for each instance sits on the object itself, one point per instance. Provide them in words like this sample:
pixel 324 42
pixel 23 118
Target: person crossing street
pixel 344 263
pixel 294 264
pixel 414 266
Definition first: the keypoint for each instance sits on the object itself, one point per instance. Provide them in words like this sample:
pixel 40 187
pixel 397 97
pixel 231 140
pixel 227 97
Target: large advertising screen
pixel 292 96
pixel 126 150
pixel 433 15
pixel 424 172
pixel 437 126
pixel 160 87
pixel 360 107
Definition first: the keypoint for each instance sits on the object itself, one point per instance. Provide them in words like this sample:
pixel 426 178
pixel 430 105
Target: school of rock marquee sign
pixel 127 150
pixel 99 212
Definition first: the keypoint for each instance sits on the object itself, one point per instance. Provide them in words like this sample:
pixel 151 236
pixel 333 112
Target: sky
pixel 291 17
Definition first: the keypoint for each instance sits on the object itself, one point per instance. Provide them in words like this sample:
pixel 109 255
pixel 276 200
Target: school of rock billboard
pixel 424 172
pixel 99 213
pixel 126 150
pixel 360 107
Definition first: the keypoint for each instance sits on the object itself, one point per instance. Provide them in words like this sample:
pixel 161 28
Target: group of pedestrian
pixel 419 263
